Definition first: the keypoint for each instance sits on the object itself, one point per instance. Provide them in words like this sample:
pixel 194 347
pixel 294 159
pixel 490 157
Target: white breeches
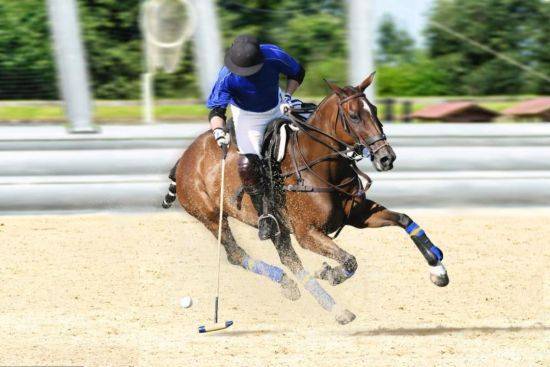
pixel 250 128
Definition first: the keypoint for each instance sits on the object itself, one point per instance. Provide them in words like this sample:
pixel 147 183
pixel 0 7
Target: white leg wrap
pixel 438 270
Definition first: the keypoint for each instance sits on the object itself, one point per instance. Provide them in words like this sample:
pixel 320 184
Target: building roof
pixel 531 107
pixel 445 109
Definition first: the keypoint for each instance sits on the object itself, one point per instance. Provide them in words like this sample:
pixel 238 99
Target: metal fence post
pixel 71 64
pixel 407 111
pixel 208 45
pixel 360 42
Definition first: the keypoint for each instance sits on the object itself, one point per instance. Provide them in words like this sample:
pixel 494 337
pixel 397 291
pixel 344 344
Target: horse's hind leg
pixel 236 255
pixel 372 215
pixel 314 240
pixel 290 259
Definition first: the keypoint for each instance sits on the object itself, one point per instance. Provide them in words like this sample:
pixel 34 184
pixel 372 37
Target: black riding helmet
pixel 244 57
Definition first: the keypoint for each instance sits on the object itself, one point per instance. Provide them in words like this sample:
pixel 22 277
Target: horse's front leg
pixel 290 258
pixel 372 215
pixel 315 240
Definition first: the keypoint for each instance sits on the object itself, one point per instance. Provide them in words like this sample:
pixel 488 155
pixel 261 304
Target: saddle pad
pixel 276 138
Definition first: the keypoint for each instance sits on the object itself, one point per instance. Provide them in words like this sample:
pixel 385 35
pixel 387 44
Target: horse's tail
pixel 170 196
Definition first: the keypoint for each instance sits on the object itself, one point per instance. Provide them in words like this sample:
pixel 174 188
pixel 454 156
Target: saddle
pixel 274 142
pixel 278 132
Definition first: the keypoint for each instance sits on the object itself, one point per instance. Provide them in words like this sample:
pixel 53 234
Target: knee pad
pixel 250 170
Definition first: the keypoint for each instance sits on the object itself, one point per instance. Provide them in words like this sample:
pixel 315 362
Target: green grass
pixel 132 113
pixel 103 114
pixel 31 113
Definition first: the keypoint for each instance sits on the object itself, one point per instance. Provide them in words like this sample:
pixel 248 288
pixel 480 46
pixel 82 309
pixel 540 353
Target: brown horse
pixel 331 195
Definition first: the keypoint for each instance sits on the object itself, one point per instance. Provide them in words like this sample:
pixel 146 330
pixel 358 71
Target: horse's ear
pixel 336 89
pixel 365 83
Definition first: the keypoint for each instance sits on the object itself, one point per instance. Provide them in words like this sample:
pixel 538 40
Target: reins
pixel 350 153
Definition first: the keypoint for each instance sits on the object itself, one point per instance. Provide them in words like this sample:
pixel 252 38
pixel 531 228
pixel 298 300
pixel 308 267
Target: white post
pixel 208 45
pixel 148 93
pixel 71 64
pixel 361 42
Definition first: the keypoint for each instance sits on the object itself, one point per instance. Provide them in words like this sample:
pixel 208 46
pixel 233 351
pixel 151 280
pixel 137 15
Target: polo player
pixel 249 83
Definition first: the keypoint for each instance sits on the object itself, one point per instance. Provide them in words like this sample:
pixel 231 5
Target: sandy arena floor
pixel 103 290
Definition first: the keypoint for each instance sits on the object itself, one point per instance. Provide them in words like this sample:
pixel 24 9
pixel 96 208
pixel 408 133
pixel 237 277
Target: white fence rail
pixel 124 168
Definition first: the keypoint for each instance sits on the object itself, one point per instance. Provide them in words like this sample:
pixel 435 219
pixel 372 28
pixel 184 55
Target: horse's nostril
pixel 385 160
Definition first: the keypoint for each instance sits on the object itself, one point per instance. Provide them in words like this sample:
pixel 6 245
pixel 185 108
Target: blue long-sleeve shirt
pixel 258 92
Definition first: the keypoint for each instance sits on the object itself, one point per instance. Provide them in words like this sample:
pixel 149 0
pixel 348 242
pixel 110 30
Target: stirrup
pixel 273 220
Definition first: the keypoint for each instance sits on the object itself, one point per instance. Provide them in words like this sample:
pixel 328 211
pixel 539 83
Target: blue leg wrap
pixel 437 252
pixel 421 239
pixel 259 267
pixel 313 287
pixel 347 273
pixel 411 227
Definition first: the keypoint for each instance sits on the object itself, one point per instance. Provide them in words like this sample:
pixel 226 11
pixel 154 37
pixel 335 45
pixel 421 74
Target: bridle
pixel 350 129
pixel 350 153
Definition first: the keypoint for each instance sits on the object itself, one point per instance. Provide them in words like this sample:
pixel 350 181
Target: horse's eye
pixel 354 116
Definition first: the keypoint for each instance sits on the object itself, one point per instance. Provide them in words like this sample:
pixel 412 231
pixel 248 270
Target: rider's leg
pixel 373 215
pixel 249 130
pixel 250 171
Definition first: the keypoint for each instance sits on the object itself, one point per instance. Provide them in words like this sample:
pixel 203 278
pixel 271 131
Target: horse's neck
pixel 324 118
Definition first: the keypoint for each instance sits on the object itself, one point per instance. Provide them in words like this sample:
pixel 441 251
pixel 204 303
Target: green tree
pixel 420 77
pixel 394 44
pixel 26 63
pixel 113 43
pixel 514 28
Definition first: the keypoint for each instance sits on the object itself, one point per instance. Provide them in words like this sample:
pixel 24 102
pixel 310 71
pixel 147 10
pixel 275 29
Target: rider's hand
pixel 289 103
pixel 222 137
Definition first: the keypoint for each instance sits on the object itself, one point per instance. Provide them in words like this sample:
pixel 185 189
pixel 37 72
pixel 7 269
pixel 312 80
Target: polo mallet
pixel 218 326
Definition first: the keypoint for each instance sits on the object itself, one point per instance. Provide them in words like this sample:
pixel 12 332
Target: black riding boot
pixel 250 170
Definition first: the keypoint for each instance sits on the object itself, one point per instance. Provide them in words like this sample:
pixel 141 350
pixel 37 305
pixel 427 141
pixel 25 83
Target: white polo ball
pixel 186 302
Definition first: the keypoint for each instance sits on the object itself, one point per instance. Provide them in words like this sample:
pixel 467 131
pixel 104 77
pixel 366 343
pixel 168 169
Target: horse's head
pixel 357 123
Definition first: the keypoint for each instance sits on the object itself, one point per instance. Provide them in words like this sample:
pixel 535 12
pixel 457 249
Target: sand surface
pixel 103 290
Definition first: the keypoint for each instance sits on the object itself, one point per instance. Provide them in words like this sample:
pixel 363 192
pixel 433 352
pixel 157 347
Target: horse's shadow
pixel 248 332
pixel 437 330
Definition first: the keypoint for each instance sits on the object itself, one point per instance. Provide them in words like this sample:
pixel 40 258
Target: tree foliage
pixel 394 45
pixel 518 29
pixel 26 63
pixel 312 31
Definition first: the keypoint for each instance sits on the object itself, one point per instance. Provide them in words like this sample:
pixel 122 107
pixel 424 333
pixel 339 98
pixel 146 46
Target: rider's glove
pixel 222 137
pixel 289 103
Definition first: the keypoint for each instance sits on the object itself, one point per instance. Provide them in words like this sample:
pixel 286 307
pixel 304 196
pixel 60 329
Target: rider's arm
pixel 218 100
pixel 288 66
pixel 217 103
pixel 217 118
pixel 291 86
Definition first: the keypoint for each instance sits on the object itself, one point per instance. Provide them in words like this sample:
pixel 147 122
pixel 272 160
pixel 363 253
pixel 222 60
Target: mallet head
pixel 215 327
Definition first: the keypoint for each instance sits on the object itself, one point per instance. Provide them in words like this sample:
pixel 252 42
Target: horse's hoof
pixel 345 317
pixel 323 272
pixel 439 280
pixel 438 275
pixel 289 288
